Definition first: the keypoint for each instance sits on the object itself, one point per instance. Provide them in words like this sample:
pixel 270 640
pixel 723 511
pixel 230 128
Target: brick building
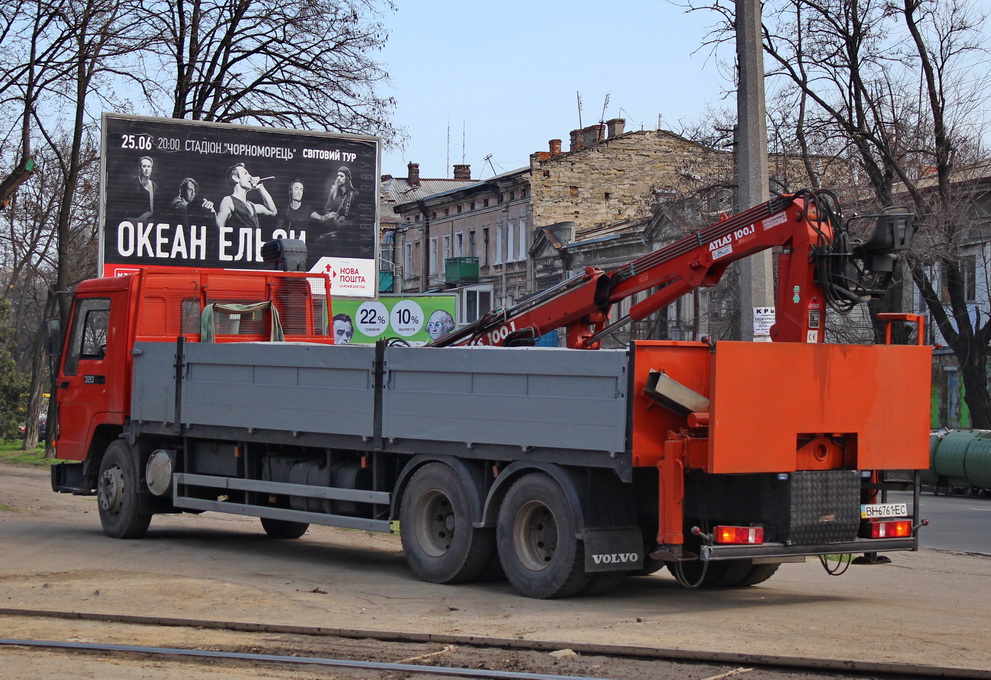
pixel 477 238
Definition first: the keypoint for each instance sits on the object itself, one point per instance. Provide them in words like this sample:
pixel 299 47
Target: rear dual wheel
pixel 724 573
pixel 435 521
pixel 538 546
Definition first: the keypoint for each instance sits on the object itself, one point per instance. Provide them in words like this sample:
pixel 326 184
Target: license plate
pixel 884 510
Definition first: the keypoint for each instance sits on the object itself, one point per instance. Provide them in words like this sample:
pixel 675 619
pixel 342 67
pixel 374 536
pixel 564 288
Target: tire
pixel 536 536
pixel 435 525
pixel 758 574
pixel 281 528
pixel 650 566
pixel 117 494
pixel 603 582
pixel 726 573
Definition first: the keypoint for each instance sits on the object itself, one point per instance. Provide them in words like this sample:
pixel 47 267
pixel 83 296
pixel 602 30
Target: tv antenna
pixel 488 159
pixel 579 94
pixel 605 104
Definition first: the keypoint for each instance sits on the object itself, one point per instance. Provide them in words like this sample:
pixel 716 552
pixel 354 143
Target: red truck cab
pixel 110 314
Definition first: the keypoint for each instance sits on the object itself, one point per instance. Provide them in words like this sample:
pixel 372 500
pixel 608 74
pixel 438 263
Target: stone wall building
pixel 606 176
pixel 611 197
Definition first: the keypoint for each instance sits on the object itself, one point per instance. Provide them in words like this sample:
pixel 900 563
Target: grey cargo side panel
pixel 560 399
pixel 273 386
pixel 532 397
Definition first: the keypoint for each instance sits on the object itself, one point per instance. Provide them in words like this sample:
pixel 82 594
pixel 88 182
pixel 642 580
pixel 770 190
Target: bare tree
pixel 897 84
pixel 305 64
pixel 58 56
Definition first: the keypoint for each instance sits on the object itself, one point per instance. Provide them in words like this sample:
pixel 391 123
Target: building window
pixel 477 302
pixel 968 273
pixel 459 244
pixel 547 174
pixel 407 259
pixel 485 247
pixel 510 241
pixel 521 240
pixel 607 195
pixel 459 208
pixel 447 247
pixel 433 215
pixel 447 212
pixel 433 255
pixel 485 203
pixel 472 205
pixel 968 267
pixel 472 252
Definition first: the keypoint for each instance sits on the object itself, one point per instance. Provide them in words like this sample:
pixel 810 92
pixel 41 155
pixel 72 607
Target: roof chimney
pixel 593 134
pixel 615 127
pixel 555 146
pixel 462 171
pixel 414 174
pixel 577 140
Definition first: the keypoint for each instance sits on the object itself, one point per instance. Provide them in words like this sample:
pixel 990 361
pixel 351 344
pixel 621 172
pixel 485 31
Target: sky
pixel 501 79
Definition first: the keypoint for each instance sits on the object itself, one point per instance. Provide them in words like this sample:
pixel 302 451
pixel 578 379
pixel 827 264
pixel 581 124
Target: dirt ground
pixel 929 607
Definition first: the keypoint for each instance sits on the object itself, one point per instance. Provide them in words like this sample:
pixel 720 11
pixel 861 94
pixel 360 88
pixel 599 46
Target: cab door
pixel 84 401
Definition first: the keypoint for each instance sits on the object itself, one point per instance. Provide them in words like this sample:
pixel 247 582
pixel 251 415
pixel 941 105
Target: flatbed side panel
pixel 764 395
pixel 153 383
pixel 289 387
pixel 526 397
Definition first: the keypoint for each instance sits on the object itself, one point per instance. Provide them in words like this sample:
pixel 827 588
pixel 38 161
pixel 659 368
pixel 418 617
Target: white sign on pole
pixel 763 320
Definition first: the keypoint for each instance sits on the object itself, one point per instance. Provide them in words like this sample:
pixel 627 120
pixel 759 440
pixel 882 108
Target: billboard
pixel 184 193
pixel 416 319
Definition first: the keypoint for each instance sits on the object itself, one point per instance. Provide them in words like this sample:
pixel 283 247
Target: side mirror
pixel 52 334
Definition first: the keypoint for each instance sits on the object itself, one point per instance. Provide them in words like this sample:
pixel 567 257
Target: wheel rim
pixel 535 535
pixel 112 489
pixel 434 523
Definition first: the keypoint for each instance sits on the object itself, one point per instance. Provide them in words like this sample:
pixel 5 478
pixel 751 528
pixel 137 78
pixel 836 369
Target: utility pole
pixel 756 272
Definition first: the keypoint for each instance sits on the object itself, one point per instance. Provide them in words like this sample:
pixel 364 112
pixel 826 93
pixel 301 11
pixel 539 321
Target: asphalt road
pixel 926 607
pixel 957 523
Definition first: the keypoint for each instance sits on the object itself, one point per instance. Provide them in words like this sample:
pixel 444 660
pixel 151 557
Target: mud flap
pixel 613 549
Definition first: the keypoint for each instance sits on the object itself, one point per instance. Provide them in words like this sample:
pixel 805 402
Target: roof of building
pixel 420 193
pixel 398 189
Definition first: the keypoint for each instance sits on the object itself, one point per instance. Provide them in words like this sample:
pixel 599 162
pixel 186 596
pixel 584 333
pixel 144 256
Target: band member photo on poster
pixel 236 210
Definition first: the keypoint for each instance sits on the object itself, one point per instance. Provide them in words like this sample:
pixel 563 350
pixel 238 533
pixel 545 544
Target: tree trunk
pixel 974 375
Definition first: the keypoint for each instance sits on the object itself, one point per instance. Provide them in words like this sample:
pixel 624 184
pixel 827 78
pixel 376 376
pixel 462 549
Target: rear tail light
pixel 894 529
pixel 739 535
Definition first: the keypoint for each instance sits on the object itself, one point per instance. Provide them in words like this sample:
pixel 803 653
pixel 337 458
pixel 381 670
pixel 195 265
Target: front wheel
pixel 435 525
pixel 117 493
pixel 537 540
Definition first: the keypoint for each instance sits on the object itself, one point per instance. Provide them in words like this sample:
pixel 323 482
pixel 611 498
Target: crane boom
pixel 818 264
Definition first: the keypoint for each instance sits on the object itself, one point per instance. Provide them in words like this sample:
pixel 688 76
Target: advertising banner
pixel 190 194
pixel 414 319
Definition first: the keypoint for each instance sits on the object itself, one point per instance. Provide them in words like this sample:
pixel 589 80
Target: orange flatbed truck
pixel 563 469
